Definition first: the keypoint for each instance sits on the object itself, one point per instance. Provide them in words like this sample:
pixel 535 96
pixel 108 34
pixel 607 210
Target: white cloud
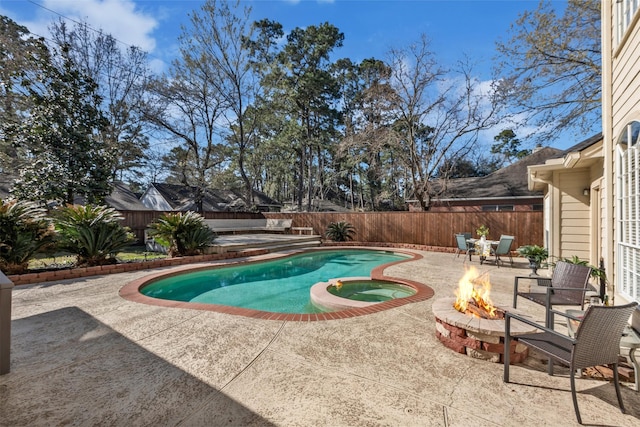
pixel 120 18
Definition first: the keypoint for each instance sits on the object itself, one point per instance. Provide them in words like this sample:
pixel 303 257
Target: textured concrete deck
pixel 82 355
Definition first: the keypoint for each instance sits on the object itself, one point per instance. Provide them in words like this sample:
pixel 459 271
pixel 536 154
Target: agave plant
pixel 183 233
pixel 24 231
pixel 93 233
pixel 340 231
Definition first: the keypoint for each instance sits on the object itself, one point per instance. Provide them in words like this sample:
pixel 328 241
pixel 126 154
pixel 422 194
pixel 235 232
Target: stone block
pixel 483 355
pixel 492 339
pixel 451 344
pixel 444 331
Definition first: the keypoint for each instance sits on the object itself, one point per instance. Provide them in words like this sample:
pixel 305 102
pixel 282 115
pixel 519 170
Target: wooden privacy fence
pixel 420 228
pixel 426 228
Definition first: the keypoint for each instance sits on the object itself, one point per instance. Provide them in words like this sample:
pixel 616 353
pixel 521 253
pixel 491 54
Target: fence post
pixel 6 286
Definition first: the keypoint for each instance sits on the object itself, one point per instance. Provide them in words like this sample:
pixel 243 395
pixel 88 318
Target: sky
pixel 456 28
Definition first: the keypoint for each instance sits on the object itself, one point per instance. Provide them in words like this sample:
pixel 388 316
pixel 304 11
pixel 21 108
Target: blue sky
pixel 455 27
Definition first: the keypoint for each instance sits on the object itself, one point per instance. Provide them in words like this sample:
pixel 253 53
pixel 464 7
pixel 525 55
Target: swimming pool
pixel 279 286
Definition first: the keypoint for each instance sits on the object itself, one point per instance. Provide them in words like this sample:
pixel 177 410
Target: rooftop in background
pixel 121 198
pixel 508 182
pixel 181 198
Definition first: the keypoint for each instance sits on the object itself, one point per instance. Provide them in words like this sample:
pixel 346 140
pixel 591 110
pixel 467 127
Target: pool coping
pixel 131 291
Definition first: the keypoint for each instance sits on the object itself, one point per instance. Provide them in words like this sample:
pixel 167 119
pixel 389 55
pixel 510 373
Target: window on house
pixel 537 207
pixel 490 208
pixel 625 11
pixel 628 210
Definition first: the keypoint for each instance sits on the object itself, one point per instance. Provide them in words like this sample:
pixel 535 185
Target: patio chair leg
pixel 573 395
pixel 617 384
pixel 507 353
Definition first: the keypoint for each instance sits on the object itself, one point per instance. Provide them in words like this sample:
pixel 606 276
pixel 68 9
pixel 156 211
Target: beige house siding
pixel 625 84
pixel 573 210
pixel 620 106
pixel 574 214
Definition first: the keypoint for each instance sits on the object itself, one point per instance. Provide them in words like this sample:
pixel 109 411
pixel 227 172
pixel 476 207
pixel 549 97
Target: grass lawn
pixel 65 260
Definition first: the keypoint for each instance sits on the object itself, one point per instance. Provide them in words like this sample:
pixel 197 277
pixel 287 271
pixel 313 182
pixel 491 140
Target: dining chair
pixel 463 246
pixel 503 248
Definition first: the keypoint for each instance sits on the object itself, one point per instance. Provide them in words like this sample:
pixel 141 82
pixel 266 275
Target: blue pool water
pixel 281 285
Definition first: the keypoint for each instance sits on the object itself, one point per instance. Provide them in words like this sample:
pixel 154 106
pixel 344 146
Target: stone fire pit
pixel 476 337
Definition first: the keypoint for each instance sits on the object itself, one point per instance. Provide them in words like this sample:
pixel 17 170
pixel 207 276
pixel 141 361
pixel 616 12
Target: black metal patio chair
pixel 597 342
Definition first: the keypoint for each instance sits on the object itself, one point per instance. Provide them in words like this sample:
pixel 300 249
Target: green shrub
pixel 340 231
pixel 596 273
pixel 535 253
pixel 93 233
pixel 24 231
pixel 184 234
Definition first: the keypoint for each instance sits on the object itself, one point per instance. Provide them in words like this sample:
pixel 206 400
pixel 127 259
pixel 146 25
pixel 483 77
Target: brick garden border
pixel 74 273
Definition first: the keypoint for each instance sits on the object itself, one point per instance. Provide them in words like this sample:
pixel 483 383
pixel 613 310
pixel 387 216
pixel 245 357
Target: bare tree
pixel 215 44
pixel 551 67
pixel 439 115
pixel 187 108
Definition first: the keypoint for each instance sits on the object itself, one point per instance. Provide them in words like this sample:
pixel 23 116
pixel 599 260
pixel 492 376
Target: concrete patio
pixel 82 355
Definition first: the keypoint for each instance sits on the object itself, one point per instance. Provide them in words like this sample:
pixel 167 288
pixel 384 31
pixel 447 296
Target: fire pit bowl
pixel 476 337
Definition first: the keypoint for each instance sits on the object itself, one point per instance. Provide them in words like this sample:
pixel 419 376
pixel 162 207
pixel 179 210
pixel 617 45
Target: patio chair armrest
pixel 522 319
pixel 516 281
pixel 567 315
pixel 536 325
pixel 555 288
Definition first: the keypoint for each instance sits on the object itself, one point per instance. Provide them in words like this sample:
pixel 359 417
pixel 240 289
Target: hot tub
pixel 353 292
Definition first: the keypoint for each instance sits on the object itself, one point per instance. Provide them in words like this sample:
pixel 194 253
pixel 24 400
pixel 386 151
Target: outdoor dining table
pixel 482 247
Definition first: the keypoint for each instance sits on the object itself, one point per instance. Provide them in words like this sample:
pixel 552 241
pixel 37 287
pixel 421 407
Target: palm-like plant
pixel 93 233
pixel 24 231
pixel 183 233
pixel 596 272
pixel 340 231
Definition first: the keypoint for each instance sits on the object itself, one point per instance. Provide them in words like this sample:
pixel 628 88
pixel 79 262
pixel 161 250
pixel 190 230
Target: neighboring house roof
pixel 173 197
pixel 121 198
pixel 508 182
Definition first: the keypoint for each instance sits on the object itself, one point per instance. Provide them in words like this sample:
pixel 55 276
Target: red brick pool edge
pixel 131 292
